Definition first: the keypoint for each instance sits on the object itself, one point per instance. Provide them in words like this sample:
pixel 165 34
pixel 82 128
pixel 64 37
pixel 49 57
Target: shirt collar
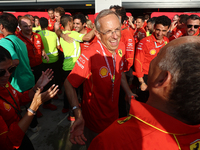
pixel 160 120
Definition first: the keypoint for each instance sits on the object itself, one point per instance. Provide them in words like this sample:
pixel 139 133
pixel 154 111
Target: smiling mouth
pixel 114 42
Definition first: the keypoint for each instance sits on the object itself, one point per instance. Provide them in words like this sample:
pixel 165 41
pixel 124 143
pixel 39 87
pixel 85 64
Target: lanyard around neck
pixel 16 109
pixel 112 76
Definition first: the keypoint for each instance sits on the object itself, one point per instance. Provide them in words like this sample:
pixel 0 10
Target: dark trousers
pixel 66 102
pixel 78 91
pixel 122 101
pixel 26 144
pixel 142 95
pixel 57 76
pixel 37 72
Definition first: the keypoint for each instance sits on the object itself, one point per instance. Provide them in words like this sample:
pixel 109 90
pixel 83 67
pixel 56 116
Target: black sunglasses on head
pixel 190 26
pixel 10 70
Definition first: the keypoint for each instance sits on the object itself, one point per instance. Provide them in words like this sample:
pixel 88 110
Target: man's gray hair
pixel 104 13
pixel 183 62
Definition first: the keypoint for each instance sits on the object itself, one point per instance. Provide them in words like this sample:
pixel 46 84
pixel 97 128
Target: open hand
pixel 45 78
pixel 76 133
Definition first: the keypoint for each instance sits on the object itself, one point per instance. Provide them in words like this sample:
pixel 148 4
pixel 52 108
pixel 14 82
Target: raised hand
pixel 45 78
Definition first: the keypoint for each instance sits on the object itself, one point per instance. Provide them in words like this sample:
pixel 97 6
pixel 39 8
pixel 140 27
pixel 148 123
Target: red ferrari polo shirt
pixel 128 40
pixel 139 31
pixel 146 51
pixel 11 134
pixel 100 98
pixel 51 24
pixel 147 128
pixel 34 47
pixel 85 45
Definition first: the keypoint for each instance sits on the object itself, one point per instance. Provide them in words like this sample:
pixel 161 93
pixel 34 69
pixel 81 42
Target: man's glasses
pixel 10 70
pixel 110 33
pixel 190 26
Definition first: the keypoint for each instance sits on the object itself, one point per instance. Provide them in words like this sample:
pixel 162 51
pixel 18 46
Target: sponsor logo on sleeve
pixel 103 72
pixel 130 44
pixel 195 145
pixel 79 64
pixel 6 106
pixel 98 51
pixel 152 52
pixel 38 42
pixel 130 40
pixel 81 61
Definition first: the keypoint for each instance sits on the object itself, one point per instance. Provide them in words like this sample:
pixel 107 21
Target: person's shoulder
pixel 36 35
pixel 165 38
pixel 93 47
pixel 76 33
pixel 40 33
pixel 124 130
pixel 142 30
pixel 146 39
pixel 121 44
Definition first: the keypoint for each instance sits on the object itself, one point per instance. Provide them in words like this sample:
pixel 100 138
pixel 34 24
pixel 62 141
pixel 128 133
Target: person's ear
pixel 97 34
pixel 1 27
pixel 163 80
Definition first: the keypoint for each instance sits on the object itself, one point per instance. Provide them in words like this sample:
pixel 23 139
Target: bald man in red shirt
pixel 170 120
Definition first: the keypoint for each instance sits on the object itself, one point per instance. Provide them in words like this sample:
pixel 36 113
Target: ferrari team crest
pixel 120 52
pixel 195 145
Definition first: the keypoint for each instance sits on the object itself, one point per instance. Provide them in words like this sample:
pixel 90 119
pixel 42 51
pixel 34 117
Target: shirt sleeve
pixel 10 137
pixel 139 58
pixel 42 45
pixel 8 45
pixel 129 42
pixel 58 41
pixel 81 70
pixel 77 36
pixel 176 35
pixel 97 144
pixel 24 98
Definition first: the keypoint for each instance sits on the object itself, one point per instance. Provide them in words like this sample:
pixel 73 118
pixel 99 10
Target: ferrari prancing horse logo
pixel 195 145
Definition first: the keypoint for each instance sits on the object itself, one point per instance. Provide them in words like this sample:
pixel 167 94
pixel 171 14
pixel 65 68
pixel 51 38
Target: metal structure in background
pixel 81 4
pixel 136 7
pixel 159 4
